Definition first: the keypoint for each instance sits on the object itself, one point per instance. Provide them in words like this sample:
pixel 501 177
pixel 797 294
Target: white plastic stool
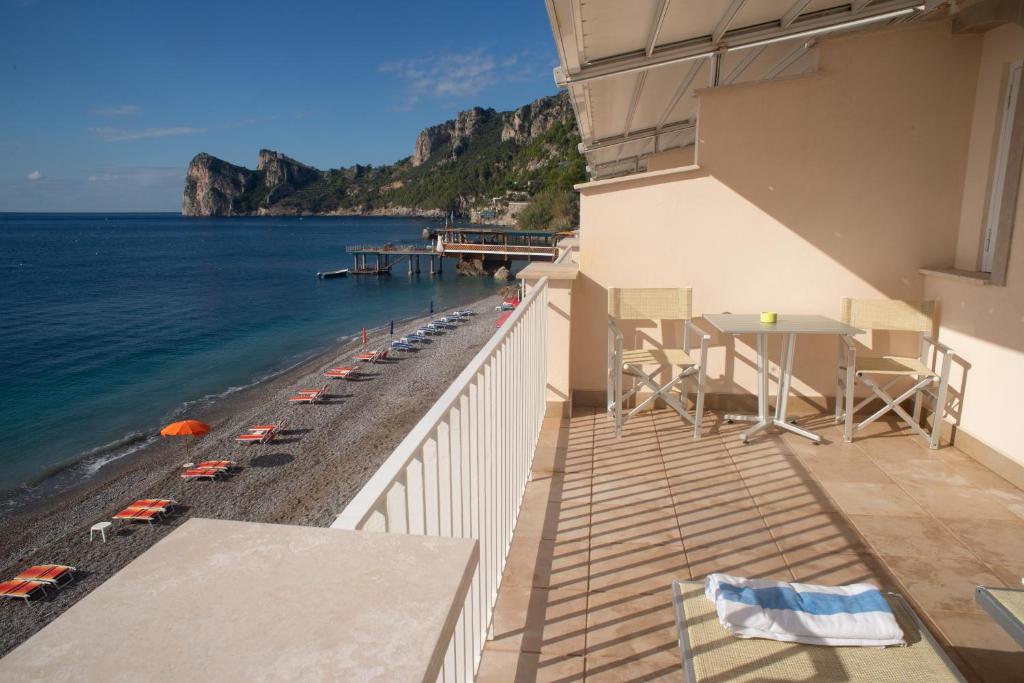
pixel 100 527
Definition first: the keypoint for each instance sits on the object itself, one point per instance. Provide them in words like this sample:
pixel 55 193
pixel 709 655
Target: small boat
pixel 332 273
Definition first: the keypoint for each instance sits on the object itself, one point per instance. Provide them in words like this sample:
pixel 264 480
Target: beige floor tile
pixel 837 568
pixel 925 471
pixel 500 666
pixel 635 569
pixel 714 492
pixel 729 528
pixel 618 669
pixel 873 499
pixel 994 541
pixel 805 499
pixel 940 583
pixel 822 532
pixel 1012 575
pixel 570 486
pixel 651 493
pixel 762 564
pixel 921 537
pixel 554 436
pixel 846 467
pixel 632 626
pixel 540 620
pixel 958 502
pixel 634 524
pixel 540 563
pixel 988 650
pixel 564 520
pixel 551 460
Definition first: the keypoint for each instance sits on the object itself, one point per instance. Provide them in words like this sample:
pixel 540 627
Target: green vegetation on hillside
pixel 485 167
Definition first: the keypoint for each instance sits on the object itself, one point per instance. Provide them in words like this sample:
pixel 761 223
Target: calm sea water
pixel 110 325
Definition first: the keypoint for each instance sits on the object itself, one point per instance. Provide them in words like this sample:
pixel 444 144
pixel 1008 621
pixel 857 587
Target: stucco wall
pixel 843 183
pixel 985 325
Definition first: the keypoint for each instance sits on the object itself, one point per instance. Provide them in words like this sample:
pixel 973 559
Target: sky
pixel 104 103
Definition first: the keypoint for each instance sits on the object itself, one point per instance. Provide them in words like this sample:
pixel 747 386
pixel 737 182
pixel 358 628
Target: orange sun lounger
pixel 203 472
pixel 260 433
pixel 137 514
pixel 22 590
pixel 161 504
pixel 216 464
pixel 344 372
pixel 54 574
pixel 310 395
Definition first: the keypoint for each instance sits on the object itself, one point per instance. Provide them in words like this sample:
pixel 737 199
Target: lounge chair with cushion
pixel 16 589
pixel 710 653
pixel 899 316
pixel 310 395
pixel 1006 606
pixel 58 575
pixel 654 305
pixel 139 514
pixel 161 504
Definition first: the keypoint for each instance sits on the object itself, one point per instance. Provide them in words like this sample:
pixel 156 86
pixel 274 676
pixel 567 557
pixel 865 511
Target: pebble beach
pixel 306 476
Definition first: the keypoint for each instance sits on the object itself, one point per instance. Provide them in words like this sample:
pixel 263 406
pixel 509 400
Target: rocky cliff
pixel 474 161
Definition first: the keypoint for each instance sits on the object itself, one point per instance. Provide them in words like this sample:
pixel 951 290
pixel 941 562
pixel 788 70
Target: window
pixel 1005 179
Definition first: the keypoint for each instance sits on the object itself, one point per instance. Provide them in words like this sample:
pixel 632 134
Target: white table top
pixel 744 323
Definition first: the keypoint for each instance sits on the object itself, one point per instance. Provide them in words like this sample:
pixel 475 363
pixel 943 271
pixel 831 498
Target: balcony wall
pixel 985 324
pixel 842 183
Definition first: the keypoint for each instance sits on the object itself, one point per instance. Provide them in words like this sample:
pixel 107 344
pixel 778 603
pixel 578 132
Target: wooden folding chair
pixel 881 373
pixel 654 304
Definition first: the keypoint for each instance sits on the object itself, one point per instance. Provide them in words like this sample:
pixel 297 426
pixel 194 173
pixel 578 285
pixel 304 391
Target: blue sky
pixel 103 103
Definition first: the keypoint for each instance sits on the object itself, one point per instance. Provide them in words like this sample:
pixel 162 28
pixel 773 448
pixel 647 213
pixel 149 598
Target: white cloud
pixel 117 110
pixel 108 134
pixel 111 188
pixel 456 74
pixel 35 175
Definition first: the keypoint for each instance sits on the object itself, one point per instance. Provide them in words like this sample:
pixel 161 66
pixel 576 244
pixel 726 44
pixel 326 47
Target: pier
pixel 487 245
pixel 380 260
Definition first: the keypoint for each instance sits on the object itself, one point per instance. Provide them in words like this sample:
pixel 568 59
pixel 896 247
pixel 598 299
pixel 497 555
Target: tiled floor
pixel 608 523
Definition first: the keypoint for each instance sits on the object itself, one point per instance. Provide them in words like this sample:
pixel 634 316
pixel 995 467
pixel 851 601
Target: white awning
pixel 631 67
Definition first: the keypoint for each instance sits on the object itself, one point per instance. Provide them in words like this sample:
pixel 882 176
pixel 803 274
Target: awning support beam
pixel 690 50
pixel 634 137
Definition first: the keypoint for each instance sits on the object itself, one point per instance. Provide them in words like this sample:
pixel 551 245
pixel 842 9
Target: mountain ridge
pixel 482 162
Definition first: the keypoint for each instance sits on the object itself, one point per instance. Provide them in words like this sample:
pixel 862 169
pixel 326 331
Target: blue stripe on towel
pixel 811 603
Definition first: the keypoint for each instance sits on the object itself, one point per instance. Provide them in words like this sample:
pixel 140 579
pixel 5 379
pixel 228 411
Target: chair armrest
pixel 938 346
pixel 613 328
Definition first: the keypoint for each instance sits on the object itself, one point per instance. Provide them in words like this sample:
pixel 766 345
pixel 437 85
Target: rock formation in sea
pixel 477 163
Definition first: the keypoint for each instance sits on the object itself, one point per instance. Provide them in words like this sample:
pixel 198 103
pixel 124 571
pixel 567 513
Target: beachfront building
pixel 771 155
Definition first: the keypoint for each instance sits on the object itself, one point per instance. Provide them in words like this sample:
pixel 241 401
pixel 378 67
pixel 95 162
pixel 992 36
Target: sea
pixel 112 325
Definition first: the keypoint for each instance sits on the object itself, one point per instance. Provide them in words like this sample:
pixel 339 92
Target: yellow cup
pixel 769 317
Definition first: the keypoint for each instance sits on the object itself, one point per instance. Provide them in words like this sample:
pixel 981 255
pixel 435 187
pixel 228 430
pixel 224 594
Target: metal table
pixel 788 326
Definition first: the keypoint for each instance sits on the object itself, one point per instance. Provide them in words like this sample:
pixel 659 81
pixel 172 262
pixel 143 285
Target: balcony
pixel 606 524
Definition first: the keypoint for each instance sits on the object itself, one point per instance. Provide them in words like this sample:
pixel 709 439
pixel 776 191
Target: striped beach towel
pixel 857 614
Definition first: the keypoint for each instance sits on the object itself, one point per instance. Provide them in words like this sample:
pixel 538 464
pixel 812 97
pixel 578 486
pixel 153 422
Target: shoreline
pixel 47 489
pixel 323 457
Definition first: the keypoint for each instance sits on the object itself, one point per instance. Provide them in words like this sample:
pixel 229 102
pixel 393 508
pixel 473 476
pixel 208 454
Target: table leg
pixel 785 377
pixel 763 418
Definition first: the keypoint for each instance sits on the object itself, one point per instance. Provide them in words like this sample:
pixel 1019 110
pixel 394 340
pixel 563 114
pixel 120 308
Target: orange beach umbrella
pixel 187 428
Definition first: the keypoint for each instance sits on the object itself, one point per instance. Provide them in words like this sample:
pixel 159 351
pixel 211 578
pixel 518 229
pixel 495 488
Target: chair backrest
pixel 650 304
pixel 888 314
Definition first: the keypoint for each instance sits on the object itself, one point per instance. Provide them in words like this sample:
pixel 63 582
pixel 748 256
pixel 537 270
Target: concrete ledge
pixel 552 271
pixel 218 600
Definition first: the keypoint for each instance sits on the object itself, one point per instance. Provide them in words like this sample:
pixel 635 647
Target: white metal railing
pixel 463 468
